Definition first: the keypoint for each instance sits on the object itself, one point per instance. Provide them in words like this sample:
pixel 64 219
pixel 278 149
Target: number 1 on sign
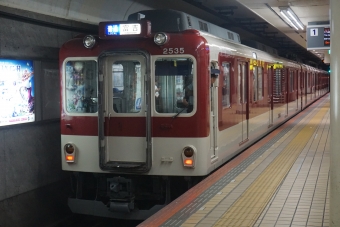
pixel 314 32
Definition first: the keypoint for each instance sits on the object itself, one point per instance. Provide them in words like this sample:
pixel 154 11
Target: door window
pixel 127 86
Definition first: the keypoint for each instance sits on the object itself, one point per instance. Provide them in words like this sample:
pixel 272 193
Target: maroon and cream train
pixel 140 120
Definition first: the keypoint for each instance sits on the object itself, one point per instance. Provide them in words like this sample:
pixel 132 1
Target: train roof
pixel 167 20
pixel 261 46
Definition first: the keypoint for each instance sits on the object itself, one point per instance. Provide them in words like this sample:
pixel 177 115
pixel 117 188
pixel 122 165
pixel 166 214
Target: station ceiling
pixel 261 20
pixel 257 20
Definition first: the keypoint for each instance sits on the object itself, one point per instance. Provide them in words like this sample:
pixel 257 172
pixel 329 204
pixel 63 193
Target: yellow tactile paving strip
pixel 302 199
pixel 248 207
pixel 211 204
pixel 246 210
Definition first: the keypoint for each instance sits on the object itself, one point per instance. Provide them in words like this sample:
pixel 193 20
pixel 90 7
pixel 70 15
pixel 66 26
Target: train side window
pixel 314 82
pixel 308 79
pixel 277 89
pixel 174 85
pixel 259 83
pixel 81 86
pixel 304 79
pixel 244 90
pixel 255 84
pixel 291 79
pixel 226 84
pixel 126 86
pixel 295 75
pixel 239 85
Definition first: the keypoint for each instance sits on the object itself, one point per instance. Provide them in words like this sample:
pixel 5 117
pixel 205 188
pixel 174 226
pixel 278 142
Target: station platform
pixel 283 180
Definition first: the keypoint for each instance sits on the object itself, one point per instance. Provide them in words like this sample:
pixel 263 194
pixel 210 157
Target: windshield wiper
pixel 179 113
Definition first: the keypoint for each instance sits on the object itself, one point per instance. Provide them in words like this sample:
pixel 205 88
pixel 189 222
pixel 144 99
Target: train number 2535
pixel 179 50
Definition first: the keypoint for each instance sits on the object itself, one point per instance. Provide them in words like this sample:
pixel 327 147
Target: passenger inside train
pixel 214 72
pixel 188 98
pixel 213 78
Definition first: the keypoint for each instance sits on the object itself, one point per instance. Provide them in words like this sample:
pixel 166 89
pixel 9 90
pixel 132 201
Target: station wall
pixel 30 161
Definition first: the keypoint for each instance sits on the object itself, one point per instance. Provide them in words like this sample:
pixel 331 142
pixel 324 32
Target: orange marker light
pixel 189 156
pixel 70 158
pixel 188 162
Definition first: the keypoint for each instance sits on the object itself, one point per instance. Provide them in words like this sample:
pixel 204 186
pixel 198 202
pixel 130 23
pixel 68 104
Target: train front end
pixel 134 117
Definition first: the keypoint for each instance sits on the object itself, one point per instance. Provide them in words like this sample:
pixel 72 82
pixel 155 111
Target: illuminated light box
pixel 123 29
pixel 16 92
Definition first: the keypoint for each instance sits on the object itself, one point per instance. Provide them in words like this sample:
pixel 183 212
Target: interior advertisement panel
pixel 16 92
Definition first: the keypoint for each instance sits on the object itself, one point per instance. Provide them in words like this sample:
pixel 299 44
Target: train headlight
pixel 160 38
pixel 188 152
pixel 70 152
pixel 89 41
pixel 189 156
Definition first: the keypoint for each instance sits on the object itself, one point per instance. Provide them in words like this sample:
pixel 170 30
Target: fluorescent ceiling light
pixel 296 21
pixel 289 21
pixel 291 18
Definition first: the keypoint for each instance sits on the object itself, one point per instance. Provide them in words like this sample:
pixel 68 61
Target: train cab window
pixel 81 86
pixel 174 85
pixel 127 86
pixel 226 84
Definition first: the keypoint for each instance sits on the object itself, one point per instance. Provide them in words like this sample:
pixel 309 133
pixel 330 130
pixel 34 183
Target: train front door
pixel 124 117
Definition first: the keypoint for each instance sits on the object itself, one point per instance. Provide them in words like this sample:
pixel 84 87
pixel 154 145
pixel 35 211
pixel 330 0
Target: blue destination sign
pixel 122 29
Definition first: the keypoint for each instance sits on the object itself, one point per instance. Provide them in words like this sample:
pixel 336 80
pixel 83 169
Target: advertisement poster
pixel 16 92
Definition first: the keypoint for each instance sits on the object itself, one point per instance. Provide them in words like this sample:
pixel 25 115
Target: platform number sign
pixel 318 36
pixel 314 32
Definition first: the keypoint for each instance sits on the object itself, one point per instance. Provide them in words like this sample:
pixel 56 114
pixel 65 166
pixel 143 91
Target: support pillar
pixel 334 208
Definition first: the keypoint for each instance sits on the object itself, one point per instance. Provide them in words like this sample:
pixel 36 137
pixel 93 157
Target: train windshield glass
pixel 174 87
pixel 127 86
pixel 81 86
